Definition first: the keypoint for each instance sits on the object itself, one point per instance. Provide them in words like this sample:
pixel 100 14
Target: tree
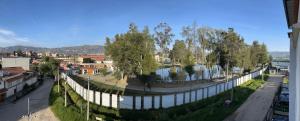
pixel 191 36
pixel 129 58
pixel 163 37
pixel 190 70
pixel 263 57
pixel 189 62
pixel 178 53
pixel 254 53
pixel 49 66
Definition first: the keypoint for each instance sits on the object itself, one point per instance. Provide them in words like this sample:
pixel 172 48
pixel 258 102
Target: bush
pixel 70 113
pixel 104 71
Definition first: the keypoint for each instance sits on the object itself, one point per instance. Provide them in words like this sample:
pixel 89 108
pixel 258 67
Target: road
pixel 38 106
pixel 257 105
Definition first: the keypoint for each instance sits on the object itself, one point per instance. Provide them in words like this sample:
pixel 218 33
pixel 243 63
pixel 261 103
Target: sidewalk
pixel 257 105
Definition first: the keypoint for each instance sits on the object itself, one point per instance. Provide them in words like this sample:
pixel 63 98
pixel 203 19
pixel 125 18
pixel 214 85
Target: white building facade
pixel 16 62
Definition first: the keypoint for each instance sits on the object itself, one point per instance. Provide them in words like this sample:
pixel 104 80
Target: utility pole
pixel 65 93
pixel 28 110
pixel 88 100
pixel 227 75
pixel 231 95
pixel 58 79
pixel 262 73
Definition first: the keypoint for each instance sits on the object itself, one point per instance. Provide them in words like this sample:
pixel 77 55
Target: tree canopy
pixel 133 51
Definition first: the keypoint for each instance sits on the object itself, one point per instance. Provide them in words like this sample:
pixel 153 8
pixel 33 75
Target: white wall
pixel 126 101
pixel 138 102
pixel 16 62
pixel 156 102
pixel 147 102
pixel 105 99
pixel 114 101
pixel 167 101
pixel 179 98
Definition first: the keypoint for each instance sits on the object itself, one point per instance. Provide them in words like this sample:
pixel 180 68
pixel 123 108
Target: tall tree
pixel 178 53
pixel 191 35
pixel 163 37
pixel 129 58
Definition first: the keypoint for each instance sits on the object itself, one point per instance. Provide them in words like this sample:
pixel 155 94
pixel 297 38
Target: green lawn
pixel 210 109
pixel 71 113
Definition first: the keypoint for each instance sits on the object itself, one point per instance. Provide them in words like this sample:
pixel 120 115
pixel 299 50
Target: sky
pixel 58 23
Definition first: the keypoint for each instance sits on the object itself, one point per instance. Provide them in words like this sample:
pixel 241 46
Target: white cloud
pixel 10 38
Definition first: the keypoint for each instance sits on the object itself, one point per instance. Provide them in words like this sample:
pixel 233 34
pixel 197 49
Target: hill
pixel 84 49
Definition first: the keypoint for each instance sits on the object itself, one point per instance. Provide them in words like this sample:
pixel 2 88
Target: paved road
pixel 257 105
pixel 39 108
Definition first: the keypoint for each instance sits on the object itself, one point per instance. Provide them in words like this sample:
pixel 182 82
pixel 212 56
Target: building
pixel 13 80
pixel 16 62
pixel 293 22
pixel 91 68
pixel 98 58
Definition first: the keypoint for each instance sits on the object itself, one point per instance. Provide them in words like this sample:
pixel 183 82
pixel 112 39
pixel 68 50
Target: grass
pixel 71 113
pixel 210 109
pixel 285 80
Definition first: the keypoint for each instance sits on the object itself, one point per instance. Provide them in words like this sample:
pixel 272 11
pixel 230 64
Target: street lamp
pixel 88 99
pixel 65 93
pixel 58 79
pixel 28 106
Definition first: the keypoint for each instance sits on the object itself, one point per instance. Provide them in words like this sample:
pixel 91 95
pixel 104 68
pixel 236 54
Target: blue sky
pixel 57 23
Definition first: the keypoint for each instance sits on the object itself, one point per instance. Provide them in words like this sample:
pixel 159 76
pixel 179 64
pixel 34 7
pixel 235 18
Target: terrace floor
pixel 138 87
pixel 257 105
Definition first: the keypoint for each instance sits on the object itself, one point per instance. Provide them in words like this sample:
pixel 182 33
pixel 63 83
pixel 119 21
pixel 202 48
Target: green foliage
pixel 88 60
pixel 49 66
pixel 71 113
pixel 130 58
pixel 178 53
pixel 163 37
pixel 190 70
pixel 104 71
pixel 181 76
pixel 173 73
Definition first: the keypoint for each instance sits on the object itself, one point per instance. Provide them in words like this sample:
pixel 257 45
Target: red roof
pixel 15 73
pixel 96 57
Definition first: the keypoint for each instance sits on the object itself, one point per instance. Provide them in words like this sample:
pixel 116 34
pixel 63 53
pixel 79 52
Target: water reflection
pixel 201 72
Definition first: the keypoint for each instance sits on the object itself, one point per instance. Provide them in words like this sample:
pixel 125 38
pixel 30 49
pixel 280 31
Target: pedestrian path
pixel 257 105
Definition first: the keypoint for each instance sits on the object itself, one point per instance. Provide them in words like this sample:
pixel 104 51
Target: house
pixel 98 58
pixel 13 80
pixel 16 62
pixel 91 68
pixel 292 13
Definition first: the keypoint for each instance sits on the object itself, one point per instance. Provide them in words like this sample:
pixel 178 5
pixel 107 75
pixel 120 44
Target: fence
pixel 157 101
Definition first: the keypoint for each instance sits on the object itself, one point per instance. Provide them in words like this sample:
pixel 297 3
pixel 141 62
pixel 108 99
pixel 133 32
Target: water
pixel 164 73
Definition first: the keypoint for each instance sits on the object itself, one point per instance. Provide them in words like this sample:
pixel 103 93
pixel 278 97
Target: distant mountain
pixel 84 49
pixel 280 54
